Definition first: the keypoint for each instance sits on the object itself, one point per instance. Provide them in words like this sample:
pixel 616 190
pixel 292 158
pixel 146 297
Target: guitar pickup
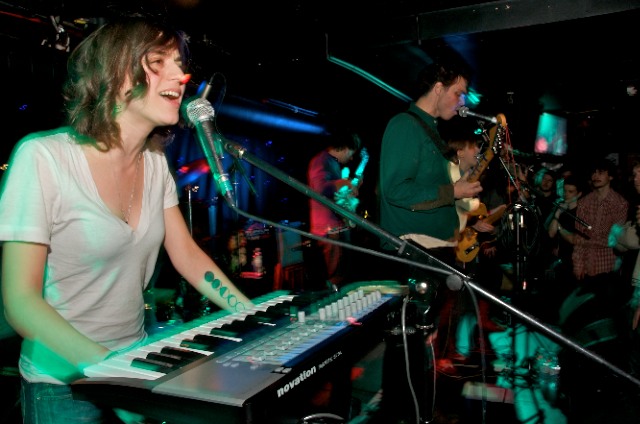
pixel 471 248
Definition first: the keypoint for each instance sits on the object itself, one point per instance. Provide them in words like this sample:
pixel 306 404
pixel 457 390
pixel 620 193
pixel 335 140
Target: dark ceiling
pixel 572 58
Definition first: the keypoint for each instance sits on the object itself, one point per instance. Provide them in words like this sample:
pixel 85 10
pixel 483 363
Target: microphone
pixel 200 114
pixel 464 112
pixel 202 93
pixel 204 89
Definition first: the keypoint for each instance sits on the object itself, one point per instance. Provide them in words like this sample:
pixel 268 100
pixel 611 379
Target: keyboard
pixel 244 367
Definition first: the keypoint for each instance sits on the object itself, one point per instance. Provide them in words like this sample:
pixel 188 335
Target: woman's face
pixel 160 106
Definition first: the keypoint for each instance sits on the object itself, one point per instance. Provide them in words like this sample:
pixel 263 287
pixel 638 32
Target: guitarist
pixel 324 175
pixel 417 196
pixel 416 192
pixel 464 150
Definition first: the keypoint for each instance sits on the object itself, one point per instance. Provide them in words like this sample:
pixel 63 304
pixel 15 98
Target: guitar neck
pixel 496 215
pixel 360 169
pixel 483 162
pixel 495 136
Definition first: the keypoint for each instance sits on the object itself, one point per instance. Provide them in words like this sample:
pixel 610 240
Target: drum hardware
pixel 189 302
pixel 190 189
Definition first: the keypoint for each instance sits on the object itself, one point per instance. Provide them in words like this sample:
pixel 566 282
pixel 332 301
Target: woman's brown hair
pixel 101 64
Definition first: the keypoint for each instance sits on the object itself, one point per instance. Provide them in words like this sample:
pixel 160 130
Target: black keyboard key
pixel 245 330
pixel 171 359
pixel 153 365
pixel 244 326
pixel 213 342
pixel 182 353
pixel 226 332
pixel 192 344
pixel 281 309
pixel 263 319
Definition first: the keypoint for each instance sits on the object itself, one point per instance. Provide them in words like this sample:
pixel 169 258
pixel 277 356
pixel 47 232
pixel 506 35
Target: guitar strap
pixel 462 205
pixel 437 140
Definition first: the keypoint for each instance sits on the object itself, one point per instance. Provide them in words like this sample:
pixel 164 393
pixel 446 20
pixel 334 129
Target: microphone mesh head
pixel 462 111
pixel 199 110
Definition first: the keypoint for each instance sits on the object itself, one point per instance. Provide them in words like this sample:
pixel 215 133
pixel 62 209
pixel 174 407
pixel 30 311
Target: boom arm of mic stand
pixel 406 248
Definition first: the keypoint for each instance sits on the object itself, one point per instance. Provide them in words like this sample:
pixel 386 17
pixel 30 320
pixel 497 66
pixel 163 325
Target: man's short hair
pixel 604 164
pixel 574 181
pixel 446 69
pixel 345 139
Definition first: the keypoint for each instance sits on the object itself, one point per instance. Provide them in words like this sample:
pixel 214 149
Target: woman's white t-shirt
pixel 97 265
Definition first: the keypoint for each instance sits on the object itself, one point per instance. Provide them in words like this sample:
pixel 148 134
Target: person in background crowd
pixel 84 210
pixel 565 171
pixel 560 225
pixel 626 238
pixel 600 291
pixel 546 192
pixel 600 209
pixel 545 201
pixel 324 174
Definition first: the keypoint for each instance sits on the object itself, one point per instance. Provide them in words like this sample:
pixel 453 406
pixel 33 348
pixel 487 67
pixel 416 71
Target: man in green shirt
pixel 417 196
pixel 416 189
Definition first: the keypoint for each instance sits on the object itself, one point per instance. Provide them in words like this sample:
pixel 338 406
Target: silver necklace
pixel 126 215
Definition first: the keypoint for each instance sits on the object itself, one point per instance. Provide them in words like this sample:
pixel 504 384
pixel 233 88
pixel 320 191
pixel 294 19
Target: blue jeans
pixel 44 403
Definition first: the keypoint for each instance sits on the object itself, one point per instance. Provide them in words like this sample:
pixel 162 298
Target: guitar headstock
pixel 497 134
pixel 364 158
pixel 364 154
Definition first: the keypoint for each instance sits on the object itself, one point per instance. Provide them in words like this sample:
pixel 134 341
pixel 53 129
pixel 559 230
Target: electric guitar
pixel 468 245
pixel 344 197
pixel 496 137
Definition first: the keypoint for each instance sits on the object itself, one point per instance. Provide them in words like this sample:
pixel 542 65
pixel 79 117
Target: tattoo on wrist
pixel 224 292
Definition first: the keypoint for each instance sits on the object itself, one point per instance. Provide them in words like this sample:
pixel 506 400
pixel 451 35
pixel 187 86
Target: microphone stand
pixel 237 167
pixel 518 223
pixel 408 253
